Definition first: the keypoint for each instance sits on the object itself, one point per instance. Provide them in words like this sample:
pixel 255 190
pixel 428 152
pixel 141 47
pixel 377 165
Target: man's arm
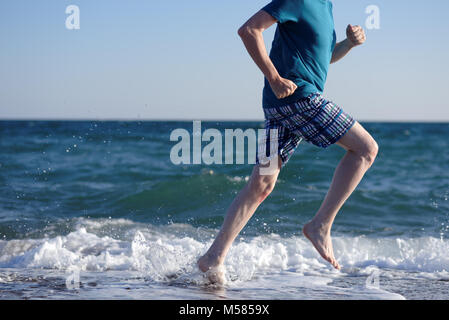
pixel 355 37
pixel 251 34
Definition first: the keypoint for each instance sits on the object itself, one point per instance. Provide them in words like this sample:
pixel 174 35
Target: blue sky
pixel 181 59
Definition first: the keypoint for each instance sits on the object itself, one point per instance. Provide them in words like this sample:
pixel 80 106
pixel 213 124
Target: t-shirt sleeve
pixel 284 10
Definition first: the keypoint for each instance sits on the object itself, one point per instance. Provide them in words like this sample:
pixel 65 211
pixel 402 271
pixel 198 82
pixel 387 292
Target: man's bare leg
pixel 361 152
pixel 258 188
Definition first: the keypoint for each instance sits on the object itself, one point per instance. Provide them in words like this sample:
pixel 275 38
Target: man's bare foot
pixel 213 270
pixel 321 240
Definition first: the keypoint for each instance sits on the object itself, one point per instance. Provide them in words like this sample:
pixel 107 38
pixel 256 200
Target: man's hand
pixel 355 35
pixel 283 88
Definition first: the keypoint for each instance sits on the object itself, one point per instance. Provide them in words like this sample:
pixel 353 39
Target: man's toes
pixel 329 259
pixel 336 265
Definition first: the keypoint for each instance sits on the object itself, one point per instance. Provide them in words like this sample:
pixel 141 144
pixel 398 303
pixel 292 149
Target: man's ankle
pixel 214 258
pixel 322 226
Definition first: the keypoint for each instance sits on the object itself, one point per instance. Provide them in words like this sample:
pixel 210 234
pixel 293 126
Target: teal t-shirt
pixel 302 47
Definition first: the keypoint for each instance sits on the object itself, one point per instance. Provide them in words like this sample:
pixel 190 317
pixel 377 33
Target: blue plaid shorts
pixel 313 119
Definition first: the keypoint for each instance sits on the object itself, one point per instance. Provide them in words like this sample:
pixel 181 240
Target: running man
pixel 295 73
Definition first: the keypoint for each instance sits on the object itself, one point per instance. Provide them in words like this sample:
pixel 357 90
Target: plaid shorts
pixel 313 119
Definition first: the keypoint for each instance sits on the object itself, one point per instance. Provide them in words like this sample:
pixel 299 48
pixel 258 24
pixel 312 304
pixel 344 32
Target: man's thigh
pixel 357 139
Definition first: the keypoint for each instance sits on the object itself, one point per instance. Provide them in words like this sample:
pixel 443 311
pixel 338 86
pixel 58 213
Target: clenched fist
pixel 283 88
pixel 356 35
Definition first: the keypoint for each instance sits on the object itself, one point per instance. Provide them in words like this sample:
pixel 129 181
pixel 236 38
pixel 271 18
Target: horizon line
pixel 204 120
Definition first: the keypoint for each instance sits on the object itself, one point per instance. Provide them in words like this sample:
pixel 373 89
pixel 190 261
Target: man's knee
pixel 361 143
pixel 369 152
pixel 262 186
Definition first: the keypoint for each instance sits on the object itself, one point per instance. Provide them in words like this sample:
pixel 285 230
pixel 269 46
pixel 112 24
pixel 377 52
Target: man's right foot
pixel 321 240
pixel 214 271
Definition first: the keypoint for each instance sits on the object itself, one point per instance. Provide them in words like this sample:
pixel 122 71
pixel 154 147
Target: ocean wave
pixel 163 252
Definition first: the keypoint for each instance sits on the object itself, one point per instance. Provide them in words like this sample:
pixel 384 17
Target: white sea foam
pixel 159 253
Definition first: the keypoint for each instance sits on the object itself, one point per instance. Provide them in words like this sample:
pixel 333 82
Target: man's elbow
pixel 242 31
pixel 245 30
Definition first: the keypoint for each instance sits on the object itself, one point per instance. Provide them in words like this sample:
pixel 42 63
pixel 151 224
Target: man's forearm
pixel 341 49
pixel 255 45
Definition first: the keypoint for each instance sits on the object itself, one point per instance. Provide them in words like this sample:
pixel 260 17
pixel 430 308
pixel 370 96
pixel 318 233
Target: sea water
pixel 97 210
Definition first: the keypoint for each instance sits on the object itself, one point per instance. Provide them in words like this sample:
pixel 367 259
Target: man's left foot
pixel 214 271
pixel 321 240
